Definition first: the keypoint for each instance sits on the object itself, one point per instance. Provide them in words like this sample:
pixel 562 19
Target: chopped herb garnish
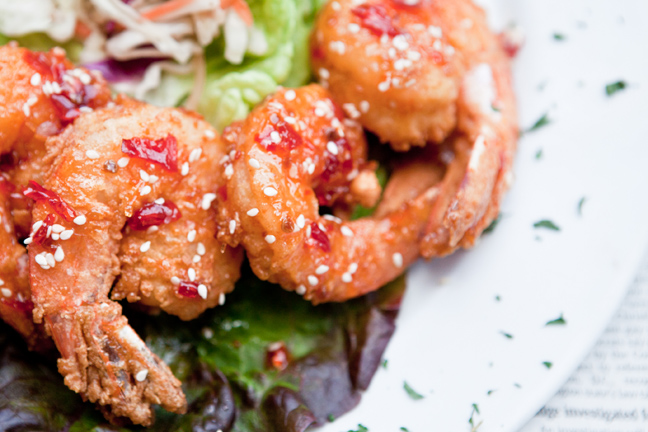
pixel 614 87
pixel 538 154
pixel 493 224
pixel 385 363
pixel 490 392
pixel 330 418
pixel 545 223
pixel 498 298
pixel 496 109
pixel 411 392
pixel 404 429
pixel 547 364
pixel 517 385
pixel 542 121
pixel 580 206
pixel 471 420
pixel 558 321
pixel 506 335
pixel 361 428
pixel 559 36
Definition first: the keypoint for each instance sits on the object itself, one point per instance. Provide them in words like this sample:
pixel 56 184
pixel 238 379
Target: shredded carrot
pixel 165 9
pixel 241 8
pixel 81 30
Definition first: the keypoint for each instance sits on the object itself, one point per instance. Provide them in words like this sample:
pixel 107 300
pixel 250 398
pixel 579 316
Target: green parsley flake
pixel 411 392
pixel 506 335
pixel 614 87
pixel 404 429
pixel 385 363
pixel 542 121
pixel 498 298
pixel 559 36
pixel 545 223
pixel 547 364
pixel 361 428
pixel 538 154
pixel 558 321
pixel 330 418
pixel 471 420
pixel 490 392
pixel 580 206
pixel 493 224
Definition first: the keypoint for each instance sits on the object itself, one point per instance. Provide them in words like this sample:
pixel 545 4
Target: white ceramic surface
pixel 449 344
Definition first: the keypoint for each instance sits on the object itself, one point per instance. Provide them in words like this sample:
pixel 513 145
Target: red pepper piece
pixel 163 151
pixel 376 20
pixel 39 193
pixel 320 238
pixel 188 289
pixel 154 214
pixel 41 234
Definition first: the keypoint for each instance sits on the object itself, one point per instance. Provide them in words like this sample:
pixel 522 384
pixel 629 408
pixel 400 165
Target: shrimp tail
pixel 104 360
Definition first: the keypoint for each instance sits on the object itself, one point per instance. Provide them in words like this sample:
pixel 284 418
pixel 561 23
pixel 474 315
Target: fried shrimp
pixel 132 186
pixel 294 153
pixel 428 72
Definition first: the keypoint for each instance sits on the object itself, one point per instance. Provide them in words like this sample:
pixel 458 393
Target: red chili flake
pixel 407 4
pixel 510 42
pixel 163 151
pixel 376 20
pixel 277 356
pixel 333 181
pixel 39 193
pixel 26 306
pixel 318 53
pixel 289 138
pixel 153 214
pixel 222 193
pixel 41 234
pixel 320 238
pixel 74 94
pixel 188 289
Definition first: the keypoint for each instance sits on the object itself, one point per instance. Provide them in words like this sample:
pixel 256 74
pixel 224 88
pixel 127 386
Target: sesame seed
pixel 50 260
pixel 301 221
pixel 346 231
pixel 229 172
pixel 85 109
pixel 332 148
pixel 353 28
pixel 152 229
pixel 185 169
pixel 27 241
pixel 301 290
pixel 254 163
pixel 123 162
pixel 321 269
pixel 435 31
pixel 364 106
pixel 202 291
pixel 210 134
pixel 290 120
pixel 353 267
pixel 384 86
pixel 313 280
pixel 270 238
pixel 324 73
pixel 40 259
pixel 207 200
pixel 253 212
pixel 6 292
pixel 80 220
pixel 346 277
pixel 92 154
pixel 37 225
pixel 195 155
pixel 141 375
pixel 192 274
pixel 191 236
pixel 59 255
pixel 400 43
pixel 311 168
pixel 145 190
pixel 397 258
pixel 290 95
pixel 58 228
pixel 232 226
pixel 56 88
pixel 35 79
pixel 55 236
pixel 336 6
pixel 201 250
pixel 196 259
pixel 175 280
pixel 337 46
pixel 49 231
pixel 145 246
pixel 67 234
pixel 270 191
pixel 275 137
pixel 144 175
pixel 26 110
pixel 2 282
pixel 221 299
pixel 159 201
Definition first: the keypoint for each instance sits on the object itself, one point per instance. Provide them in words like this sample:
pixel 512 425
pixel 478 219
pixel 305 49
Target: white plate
pixel 449 344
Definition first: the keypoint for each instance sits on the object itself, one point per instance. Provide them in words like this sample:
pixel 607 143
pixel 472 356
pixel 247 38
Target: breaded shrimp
pixel 132 187
pixel 422 72
pixel 294 153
